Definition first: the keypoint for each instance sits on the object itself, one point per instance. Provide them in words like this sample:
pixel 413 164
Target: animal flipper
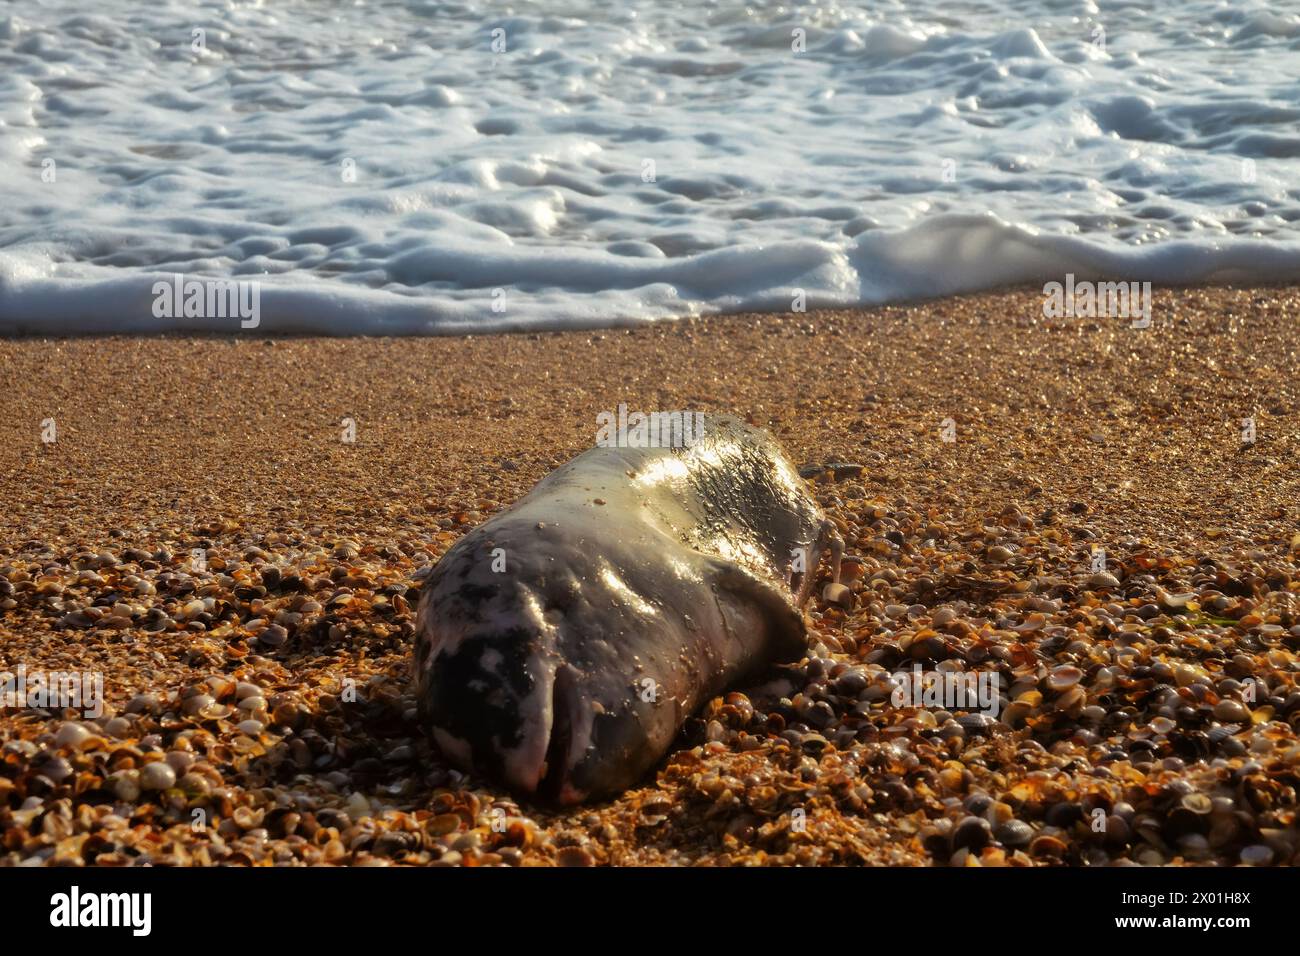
pixel 749 603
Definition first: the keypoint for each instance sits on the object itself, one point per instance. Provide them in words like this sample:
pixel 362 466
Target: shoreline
pixel 1070 435
pixel 1016 289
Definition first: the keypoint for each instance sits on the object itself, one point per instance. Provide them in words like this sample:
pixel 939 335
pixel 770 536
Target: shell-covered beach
pixel 1106 517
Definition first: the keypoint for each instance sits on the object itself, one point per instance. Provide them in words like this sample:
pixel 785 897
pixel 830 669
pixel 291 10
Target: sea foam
pixel 424 167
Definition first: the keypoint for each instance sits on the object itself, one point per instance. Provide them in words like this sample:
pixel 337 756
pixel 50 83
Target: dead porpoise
pixel 561 645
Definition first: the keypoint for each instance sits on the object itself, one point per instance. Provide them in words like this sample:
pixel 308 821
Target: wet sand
pixel 1133 731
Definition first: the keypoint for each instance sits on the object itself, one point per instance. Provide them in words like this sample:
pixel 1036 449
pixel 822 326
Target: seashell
pixel 1232 711
pixel 574 856
pixel 1064 677
pixel 157 776
pixel 443 824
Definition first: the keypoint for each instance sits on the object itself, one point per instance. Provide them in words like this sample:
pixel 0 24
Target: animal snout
pixel 499 701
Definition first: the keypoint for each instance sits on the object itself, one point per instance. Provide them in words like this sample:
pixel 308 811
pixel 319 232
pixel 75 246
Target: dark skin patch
pixel 563 595
pixel 619 741
pixel 461 686
pixel 476 593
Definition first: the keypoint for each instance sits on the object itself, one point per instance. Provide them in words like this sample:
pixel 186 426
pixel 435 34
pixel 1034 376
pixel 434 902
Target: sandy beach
pixel 263 683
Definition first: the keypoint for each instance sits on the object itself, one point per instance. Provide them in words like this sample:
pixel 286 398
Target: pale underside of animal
pixel 561 645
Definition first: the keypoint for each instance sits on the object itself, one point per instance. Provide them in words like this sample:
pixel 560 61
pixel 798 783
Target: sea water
pixel 384 166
